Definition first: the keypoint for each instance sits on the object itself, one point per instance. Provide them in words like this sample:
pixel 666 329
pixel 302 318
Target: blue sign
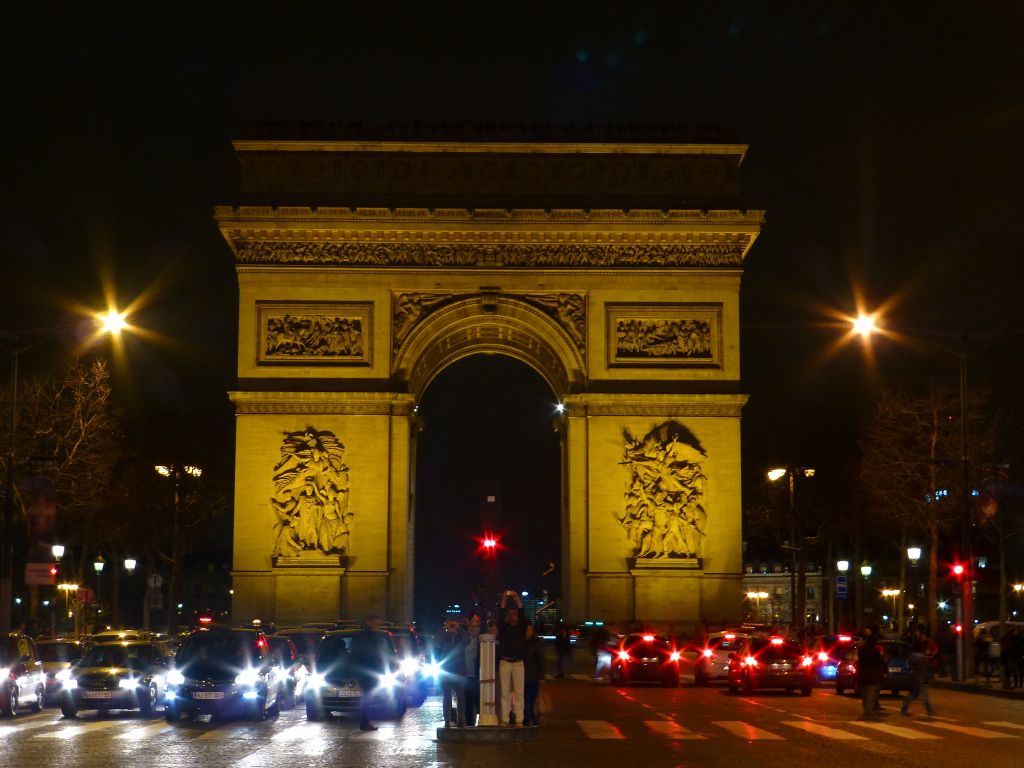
pixel 841 585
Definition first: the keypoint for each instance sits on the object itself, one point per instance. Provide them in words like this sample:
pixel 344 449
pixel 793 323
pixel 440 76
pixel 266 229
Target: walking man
pixel 870 674
pixel 451 651
pixel 922 660
pixel 511 652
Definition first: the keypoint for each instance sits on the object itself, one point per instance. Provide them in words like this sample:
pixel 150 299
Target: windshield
pixel 135 657
pixel 59 651
pixel 333 649
pixel 305 642
pixel 225 650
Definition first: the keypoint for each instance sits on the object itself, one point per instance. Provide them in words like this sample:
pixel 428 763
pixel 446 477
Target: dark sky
pixel 885 146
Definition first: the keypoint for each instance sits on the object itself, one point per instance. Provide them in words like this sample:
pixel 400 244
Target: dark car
pixel 22 682
pixel 56 655
pixel 336 684
pixel 898 674
pixel 223 672
pixel 645 658
pixel 306 640
pixel 415 660
pixel 828 652
pixel 771 662
pixel 125 675
pixel 294 672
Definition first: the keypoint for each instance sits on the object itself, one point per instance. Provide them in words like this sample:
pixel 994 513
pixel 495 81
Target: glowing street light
pixel 129 565
pixel 58 551
pixel 112 322
pixel 864 325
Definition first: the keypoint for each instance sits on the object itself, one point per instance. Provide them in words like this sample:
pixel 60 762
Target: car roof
pixel 123 643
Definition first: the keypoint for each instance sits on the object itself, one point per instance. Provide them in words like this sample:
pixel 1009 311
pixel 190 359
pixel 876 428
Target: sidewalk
pixel 989 686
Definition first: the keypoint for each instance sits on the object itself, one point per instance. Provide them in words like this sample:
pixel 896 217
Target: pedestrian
pixel 511 651
pixel 563 650
pixel 870 674
pixel 451 655
pixel 923 655
pixel 533 673
pixel 368 664
pixel 472 669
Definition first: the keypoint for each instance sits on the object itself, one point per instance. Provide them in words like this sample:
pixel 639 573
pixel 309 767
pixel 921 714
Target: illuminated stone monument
pixel 365 268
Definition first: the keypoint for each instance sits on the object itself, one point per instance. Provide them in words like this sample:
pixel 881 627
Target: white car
pixel 712 662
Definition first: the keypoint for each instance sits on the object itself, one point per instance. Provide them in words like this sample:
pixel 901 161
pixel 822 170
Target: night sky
pixel 885 146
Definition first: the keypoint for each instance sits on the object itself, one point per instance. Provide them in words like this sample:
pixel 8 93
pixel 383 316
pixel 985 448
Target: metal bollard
pixel 488 680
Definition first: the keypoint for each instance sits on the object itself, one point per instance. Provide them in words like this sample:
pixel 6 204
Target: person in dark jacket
pixel 472 655
pixel 451 655
pixel 368 661
pixel 922 661
pixel 511 652
pixel 870 674
pixel 563 648
pixel 533 674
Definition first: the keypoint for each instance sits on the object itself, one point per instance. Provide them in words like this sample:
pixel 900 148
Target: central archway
pixel 487 460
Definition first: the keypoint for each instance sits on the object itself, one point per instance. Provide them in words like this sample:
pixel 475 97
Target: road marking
pixel 895 730
pixel 671 729
pixel 823 730
pixel 301 731
pixel 71 731
pixel 226 732
pixel 6 730
pixel 981 733
pixel 600 729
pixel 746 730
pixel 1004 724
pixel 143 732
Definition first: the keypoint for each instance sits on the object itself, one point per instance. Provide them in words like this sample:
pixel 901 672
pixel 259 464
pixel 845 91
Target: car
pixel 416 664
pixel 828 652
pixel 109 635
pixel 898 674
pixel 56 655
pixel 306 640
pixel 771 662
pixel 223 672
pixel 645 657
pixel 293 670
pixel 22 682
pixel 712 662
pixel 335 684
pixel 115 675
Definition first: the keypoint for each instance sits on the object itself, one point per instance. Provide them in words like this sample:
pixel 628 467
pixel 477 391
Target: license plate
pixel 349 692
pixel 208 695
pixel 97 694
pixel 895 670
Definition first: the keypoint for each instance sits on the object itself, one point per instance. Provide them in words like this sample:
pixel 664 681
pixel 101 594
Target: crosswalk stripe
pixel 746 730
pixel 144 732
pixel 301 731
pixel 71 731
pixel 600 729
pixel 1004 724
pixel 981 733
pixel 895 730
pixel 22 727
pixel 671 729
pixel 225 732
pixel 823 730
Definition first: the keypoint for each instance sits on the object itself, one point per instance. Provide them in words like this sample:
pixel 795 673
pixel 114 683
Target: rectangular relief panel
pixel 683 335
pixel 314 333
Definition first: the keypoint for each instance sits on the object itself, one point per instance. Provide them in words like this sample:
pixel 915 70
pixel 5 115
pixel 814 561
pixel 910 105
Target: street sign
pixel 39 574
pixel 841 586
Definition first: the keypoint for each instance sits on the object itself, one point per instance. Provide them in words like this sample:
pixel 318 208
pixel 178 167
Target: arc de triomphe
pixel 365 268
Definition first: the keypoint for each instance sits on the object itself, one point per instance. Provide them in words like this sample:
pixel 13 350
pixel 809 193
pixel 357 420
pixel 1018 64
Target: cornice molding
pixel 317 403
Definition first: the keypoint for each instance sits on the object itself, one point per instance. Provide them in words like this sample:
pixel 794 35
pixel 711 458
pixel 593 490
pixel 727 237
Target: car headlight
pixel 64 675
pixel 4 671
pixel 126 683
pixel 389 680
pixel 70 684
pixel 247 677
pixel 316 680
pixel 410 665
pixel 174 677
pixel 433 669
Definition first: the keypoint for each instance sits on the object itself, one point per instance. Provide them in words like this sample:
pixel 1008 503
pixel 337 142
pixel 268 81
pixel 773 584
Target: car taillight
pixel 708 653
pixel 750 661
pixel 624 655
pixel 845 638
pixel 822 656
pixel 807 661
pixel 730 636
pixel 648 638
pixel 776 641
pixel 851 667
pixel 675 656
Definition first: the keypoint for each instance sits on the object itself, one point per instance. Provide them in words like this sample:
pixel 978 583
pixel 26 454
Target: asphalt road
pixel 592 725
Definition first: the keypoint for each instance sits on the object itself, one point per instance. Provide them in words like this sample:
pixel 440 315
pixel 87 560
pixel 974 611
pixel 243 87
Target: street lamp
pixel 867 326
pixel 176 471
pixel 129 565
pixel 58 551
pixel 16 344
pixel 777 474
pixel 893 593
pixel 757 597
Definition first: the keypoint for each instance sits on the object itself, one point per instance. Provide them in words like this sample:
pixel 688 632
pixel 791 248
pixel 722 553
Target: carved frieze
pixel 508 255
pixel 314 333
pixel 676 334
pixel 663 508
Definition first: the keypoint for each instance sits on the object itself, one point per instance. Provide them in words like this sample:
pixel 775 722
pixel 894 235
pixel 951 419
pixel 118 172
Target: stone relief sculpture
pixel 683 338
pixel 311 495
pixel 410 308
pixel 664 513
pixel 313 336
pixel 569 309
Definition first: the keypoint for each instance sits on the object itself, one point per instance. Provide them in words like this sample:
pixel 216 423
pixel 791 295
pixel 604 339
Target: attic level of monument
pixel 490 175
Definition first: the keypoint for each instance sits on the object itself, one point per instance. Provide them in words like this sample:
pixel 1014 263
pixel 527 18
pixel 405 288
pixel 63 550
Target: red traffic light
pixel 490 543
pixel 53 571
pixel 959 628
pixel 958 570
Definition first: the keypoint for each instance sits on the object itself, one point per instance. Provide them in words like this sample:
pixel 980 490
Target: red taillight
pixel 730 636
pixel 807 661
pixel 845 638
pixel 648 638
pixel 776 641
pixel 205 619
pixel 750 661
pixel 624 655
pixel 822 656
pixel 675 656
pixel 708 653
